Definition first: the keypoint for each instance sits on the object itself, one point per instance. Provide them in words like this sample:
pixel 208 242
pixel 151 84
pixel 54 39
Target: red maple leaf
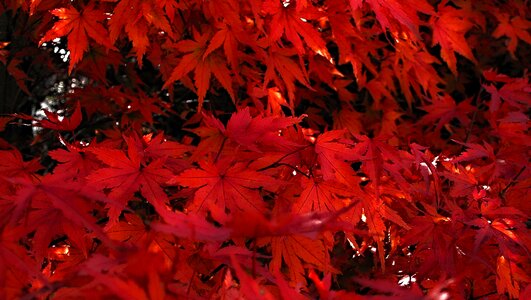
pixel 319 195
pixel 444 109
pixel 223 186
pixel 259 131
pixel 333 151
pixel 55 121
pixel 135 16
pixel 516 92
pixel 278 59
pixel 78 26
pixel 17 267
pixel 293 22
pixel 449 28
pixel 259 134
pixel 393 14
pixel 251 289
pixel 127 174
pixel 376 156
pixel 435 243
pixel 515 28
pixel 190 226
pixel 202 65
pixel 229 37
pixel 74 160
pixel 508 275
pixel 296 252
pixel 310 181
pixel 61 198
pixel 49 223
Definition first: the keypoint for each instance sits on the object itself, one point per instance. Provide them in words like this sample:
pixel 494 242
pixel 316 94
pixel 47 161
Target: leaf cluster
pixel 264 149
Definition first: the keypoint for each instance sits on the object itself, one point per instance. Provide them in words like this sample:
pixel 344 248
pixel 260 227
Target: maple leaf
pixel 464 181
pixel 12 165
pixel 13 67
pixel 75 160
pixel 444 109
pixel 50 193
pixel 56 122
pixel 151 148
pixel 265 198
pixel 140 107
pixel 286 291
pixel 333 150
pixel 134 16
pixel 516 91
pixel 319 196
pixel 391 14
pixel 309 225
pixel 323 70
pixel 259 133
pixel 96 63
pixel 202 66
pixel 78 26
pixel 291 22
pixel 501 229
pixel 342 28
pixel 449 28
pixel 324 288
pixel 373 211
pixel 295 250
pixel 248 131
pixel 291 245
pixel 212 135
pixel 229 37
pixel 223 186
pixel 475 151
pixel 348 119
pixel 279 59
pixel 435 243
pixel 49 222
pixel 507 274
pixel 130 229
pixel 128 174
pixel 414 70
pixel 515 28
pixel 250 288
pixel 105 272
pixel 190 226
pixel 426 163
pixel 17 268
pixel 275 100
pixel 377 155
pixel 95 99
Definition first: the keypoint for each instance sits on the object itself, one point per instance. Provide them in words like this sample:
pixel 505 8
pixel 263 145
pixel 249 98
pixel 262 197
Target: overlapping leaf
pixel 78 27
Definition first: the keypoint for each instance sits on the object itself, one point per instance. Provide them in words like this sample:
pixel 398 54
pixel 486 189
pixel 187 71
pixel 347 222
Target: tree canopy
pixel 265 149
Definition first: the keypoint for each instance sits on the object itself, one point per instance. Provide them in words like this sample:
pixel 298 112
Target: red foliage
pixel 341 149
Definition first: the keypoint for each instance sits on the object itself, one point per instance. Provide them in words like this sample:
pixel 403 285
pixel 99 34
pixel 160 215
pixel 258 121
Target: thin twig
pixel 474 116
pixel 513 182
pixel 485 295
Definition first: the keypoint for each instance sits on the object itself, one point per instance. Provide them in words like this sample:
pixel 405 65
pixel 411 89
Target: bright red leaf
pixel 78 27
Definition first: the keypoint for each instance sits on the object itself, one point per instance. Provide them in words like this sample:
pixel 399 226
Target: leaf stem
pixel 220 149
pixel 294 168
pixel 277 162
